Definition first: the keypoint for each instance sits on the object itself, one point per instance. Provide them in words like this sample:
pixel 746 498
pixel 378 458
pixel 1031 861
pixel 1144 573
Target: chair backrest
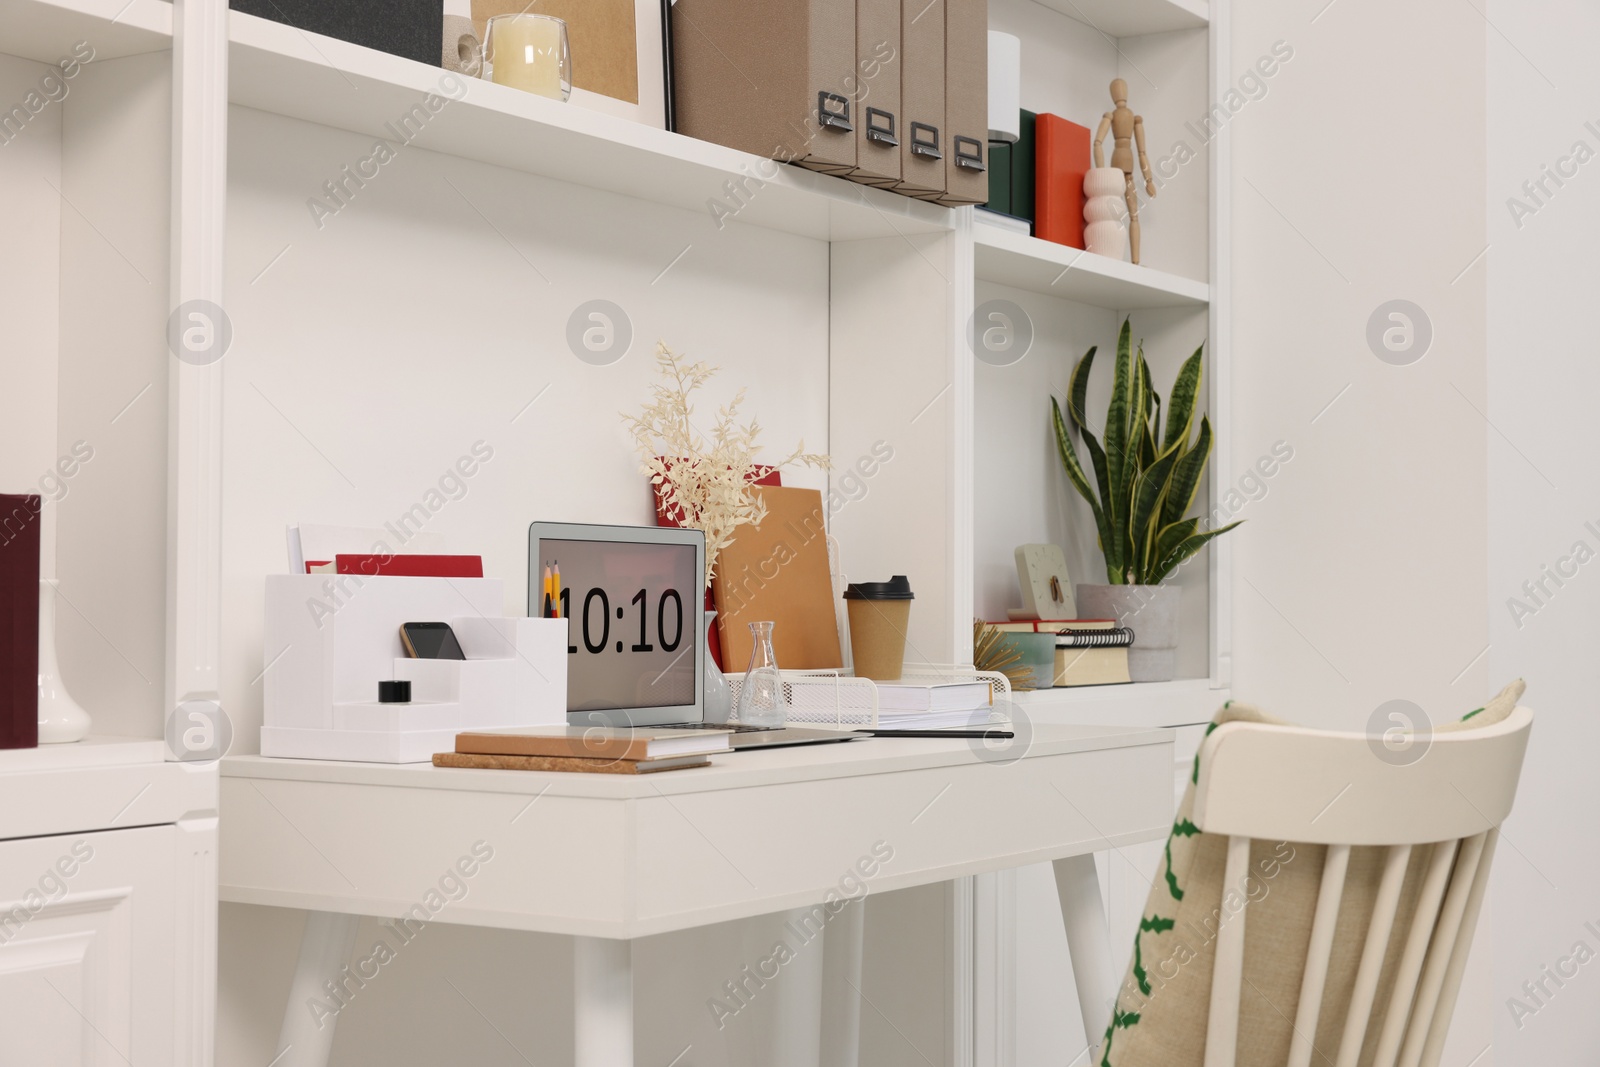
pixel 1285 783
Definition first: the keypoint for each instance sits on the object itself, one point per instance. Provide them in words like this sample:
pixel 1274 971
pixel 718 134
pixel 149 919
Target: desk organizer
pixel 832 699
pixel 329 640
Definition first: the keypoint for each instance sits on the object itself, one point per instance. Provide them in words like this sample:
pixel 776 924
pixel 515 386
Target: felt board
pixel 410 28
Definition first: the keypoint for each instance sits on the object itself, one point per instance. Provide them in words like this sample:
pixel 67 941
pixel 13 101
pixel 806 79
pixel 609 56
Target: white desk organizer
pixel 329 640
pixel 826 698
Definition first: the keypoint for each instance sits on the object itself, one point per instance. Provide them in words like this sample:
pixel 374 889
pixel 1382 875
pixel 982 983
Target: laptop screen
pixel 634 614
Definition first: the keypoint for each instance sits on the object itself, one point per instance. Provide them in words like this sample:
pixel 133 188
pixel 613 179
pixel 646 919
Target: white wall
pixel 1543 489
pixel 465 276
pixel 1359 179
pixel 30 163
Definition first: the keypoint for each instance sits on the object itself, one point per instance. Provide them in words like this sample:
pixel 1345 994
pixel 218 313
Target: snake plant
pixel 1146 474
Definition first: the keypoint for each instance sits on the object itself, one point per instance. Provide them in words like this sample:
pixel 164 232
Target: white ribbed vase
pixel 1105 212
pixel 61 720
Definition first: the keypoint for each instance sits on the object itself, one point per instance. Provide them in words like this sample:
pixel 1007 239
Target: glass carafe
pixel 761 699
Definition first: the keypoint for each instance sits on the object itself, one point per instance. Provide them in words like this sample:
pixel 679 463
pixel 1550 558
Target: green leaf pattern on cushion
pixel 1155 925
pixel 1181 828
pixel 1195 778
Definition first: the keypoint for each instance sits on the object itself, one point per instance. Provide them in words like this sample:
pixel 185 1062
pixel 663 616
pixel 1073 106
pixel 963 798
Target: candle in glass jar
pixel 527 52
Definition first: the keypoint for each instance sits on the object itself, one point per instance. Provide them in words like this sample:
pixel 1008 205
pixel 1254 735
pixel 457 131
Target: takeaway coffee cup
pixel 879 612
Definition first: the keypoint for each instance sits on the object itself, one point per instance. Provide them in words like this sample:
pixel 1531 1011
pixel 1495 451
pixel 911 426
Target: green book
pixel 999 176
pixel 1022 164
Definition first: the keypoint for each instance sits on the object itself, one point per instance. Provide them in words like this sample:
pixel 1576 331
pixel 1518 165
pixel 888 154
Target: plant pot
pixel 1151 611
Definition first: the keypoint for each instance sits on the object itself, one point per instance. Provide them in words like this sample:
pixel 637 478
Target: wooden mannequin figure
pixel 1128 131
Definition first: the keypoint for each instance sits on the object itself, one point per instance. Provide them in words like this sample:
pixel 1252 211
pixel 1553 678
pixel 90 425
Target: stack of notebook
pixel 1088 651
pixel 585 749
pixel 914 706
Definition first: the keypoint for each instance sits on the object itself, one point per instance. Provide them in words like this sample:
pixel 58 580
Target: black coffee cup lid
pixel 896 588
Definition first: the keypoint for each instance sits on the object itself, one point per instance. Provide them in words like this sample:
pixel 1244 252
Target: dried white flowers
pixel 705 485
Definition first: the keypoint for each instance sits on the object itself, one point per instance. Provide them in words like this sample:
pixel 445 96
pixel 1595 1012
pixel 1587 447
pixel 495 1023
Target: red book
pixel 1061 159
pixel 410 566
pixel 19 621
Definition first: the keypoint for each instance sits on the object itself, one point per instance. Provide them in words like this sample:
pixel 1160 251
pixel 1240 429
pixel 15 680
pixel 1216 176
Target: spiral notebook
pixel 1114 637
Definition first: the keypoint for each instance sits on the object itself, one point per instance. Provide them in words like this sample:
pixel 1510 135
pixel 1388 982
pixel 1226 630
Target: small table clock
pixel 1046 586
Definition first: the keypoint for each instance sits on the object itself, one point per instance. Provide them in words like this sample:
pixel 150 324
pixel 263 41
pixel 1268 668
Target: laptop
pixel 636 639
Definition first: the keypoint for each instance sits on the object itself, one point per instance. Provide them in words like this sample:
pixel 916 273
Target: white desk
pixel 608 858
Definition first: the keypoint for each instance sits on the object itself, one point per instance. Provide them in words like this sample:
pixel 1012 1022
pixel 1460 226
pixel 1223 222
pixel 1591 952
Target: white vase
pixel 1151 611
pixel 1105 212
pixel 61 720
pixel 719 694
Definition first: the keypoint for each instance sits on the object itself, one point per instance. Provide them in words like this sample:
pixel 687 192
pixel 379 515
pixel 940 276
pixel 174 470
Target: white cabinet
pixel 86 948
pixel 107 907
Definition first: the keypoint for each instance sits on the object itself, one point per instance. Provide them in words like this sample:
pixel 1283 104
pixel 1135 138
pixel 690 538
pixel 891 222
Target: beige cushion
pixel 1161 1009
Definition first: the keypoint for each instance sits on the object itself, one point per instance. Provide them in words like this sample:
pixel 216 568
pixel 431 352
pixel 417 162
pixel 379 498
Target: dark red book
pixel 1061 159
pixel 19 621
pixel 414 566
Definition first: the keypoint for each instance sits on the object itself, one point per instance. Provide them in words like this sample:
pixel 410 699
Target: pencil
pixel 555 587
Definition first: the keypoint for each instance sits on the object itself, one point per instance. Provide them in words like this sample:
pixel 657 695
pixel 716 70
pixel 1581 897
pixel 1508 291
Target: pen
pixel 937 733
pixel 546 612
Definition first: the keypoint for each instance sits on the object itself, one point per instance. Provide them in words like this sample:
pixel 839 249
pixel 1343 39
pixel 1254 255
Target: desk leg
pixel 841 978
pixel 602 972
pixel 305 1039
pixel 1088 943
pixel 795 1035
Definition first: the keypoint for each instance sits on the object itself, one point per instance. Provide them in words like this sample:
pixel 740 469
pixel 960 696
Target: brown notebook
pixel 594 742
pixel 966 108
pixel 778 572
pixel 772 77
pixel 488 761
pixel 19 621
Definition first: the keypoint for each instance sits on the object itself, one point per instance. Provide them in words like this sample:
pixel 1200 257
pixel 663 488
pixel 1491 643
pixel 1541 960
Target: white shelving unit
pixel 283 71
pixel 432 312
pixel 1050 269
pixel 1133 18
pixel 38 29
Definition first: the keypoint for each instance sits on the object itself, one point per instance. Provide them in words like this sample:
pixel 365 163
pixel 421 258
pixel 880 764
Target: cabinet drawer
pixel 87 964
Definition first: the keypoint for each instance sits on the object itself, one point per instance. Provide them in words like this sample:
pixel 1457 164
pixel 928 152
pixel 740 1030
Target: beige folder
pixel 771 77
pixel 966 107
pixel 922 97
pixel 777 572
pixel 878 129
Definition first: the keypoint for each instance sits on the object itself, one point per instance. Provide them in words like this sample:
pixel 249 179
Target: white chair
pixel 1284 783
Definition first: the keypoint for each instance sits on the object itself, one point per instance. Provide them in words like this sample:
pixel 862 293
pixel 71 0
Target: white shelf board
pixel 46 30
pixel 1038 266
pixel 1184 702
pixel 96 750
pixel 286 71
pixel 1129 18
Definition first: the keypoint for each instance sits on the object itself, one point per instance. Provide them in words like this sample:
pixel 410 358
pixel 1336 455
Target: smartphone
pixel 430 640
